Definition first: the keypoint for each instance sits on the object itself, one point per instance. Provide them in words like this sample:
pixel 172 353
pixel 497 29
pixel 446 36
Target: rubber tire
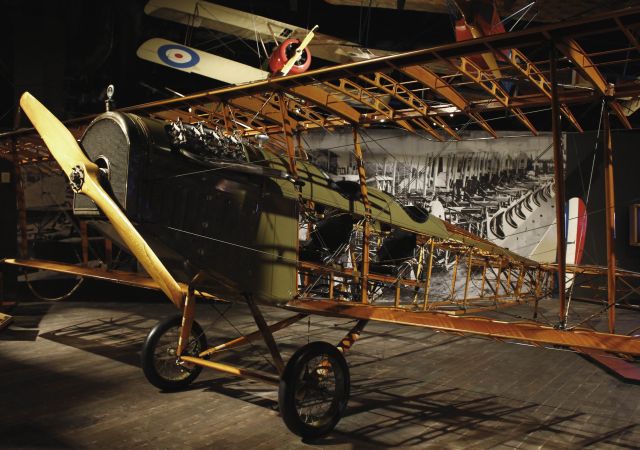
pixel 287 390
pixel 148 353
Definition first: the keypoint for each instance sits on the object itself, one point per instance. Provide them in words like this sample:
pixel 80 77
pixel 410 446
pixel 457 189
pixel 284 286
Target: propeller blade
pixel 287 67
pixel 84 177
pixel 61 143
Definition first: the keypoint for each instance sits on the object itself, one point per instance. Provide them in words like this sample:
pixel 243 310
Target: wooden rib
pixel 403 94
pixel 259 107
pixel 521 63
pixel 444 89
pixel 306 111
pixel 326 101
pixel 493 88
pixel 587 68
pixel 367 98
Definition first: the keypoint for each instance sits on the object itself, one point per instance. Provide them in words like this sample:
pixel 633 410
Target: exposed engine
pixel 130 149
pixel 207 144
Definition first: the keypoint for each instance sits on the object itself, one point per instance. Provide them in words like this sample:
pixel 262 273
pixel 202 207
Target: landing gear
pixel 160 362
pixel 314 390
pixel 313 387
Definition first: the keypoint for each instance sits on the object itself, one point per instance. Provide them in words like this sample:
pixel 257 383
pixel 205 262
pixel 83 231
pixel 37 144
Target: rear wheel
pixel 314 390
pixel 160 362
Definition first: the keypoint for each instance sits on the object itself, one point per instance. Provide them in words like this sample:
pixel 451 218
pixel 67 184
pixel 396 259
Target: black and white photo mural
pixel 500 189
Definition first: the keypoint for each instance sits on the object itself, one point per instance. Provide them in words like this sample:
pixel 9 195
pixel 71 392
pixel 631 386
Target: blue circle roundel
pixel 178 56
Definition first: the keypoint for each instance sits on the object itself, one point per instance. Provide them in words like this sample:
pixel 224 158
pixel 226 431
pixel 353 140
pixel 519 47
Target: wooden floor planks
pixel 78 385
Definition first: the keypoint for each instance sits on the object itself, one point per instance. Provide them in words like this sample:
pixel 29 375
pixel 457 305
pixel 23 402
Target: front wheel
pixel 160 362
pixel 314 390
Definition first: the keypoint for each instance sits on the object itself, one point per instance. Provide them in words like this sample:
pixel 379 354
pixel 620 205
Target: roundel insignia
pixel 178 56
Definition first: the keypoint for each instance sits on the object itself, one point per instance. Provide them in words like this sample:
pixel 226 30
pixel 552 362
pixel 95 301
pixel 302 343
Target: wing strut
pixel 366 226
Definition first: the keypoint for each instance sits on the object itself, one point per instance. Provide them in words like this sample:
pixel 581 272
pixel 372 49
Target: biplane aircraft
pixel 242 25
pixel 214 196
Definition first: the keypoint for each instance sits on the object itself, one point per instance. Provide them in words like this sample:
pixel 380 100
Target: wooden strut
pixel 558 168
pixel 187 320
pixel 266 335
pixel 496 291
pixel 288 135
pixel 366 227
pixel 484 278
pixel 466 285
pixel 418 273
pixel 427 282
pixel 263 330
pixel 453 278
pixel 258 375
pixel 84 239
pixel 188 313
pixel 352 336
pixel 518 287
pixel 23 247
pixel 538 290
pixel 610 225
pixel 244 340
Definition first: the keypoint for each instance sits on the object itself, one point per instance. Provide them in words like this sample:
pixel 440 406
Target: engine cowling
pixel 284 52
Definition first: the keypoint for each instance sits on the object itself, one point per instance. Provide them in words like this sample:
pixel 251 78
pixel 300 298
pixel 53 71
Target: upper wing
pixel 252 27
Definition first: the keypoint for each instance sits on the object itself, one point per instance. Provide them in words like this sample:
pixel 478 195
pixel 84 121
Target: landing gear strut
pixel 313 387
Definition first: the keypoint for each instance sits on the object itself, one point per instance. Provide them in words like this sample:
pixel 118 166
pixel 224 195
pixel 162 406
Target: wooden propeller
pixel 305 42
pixel 84 178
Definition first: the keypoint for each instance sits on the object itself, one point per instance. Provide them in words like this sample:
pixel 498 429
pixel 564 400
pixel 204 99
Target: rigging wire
pixel 254 348
pixel 524 10
pixel 528 7
pixel 595 151
pixel 255 34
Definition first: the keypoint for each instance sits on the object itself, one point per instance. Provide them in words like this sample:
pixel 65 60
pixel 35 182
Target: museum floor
pixel 70 378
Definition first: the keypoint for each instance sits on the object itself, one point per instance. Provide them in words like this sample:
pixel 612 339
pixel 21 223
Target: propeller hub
pixel 76 178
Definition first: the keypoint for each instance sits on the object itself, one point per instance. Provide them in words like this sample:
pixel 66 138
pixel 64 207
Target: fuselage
pixel 220 206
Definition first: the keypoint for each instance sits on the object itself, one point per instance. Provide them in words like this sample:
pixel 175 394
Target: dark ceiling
pixel 67 52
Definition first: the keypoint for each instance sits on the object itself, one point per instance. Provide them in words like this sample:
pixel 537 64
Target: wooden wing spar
pixel 451 280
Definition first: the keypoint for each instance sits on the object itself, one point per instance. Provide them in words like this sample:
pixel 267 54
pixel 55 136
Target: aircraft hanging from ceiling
pixel 244 25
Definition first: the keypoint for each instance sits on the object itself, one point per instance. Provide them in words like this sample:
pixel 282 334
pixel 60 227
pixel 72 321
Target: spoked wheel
pixel 159 359
pixel 314 390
